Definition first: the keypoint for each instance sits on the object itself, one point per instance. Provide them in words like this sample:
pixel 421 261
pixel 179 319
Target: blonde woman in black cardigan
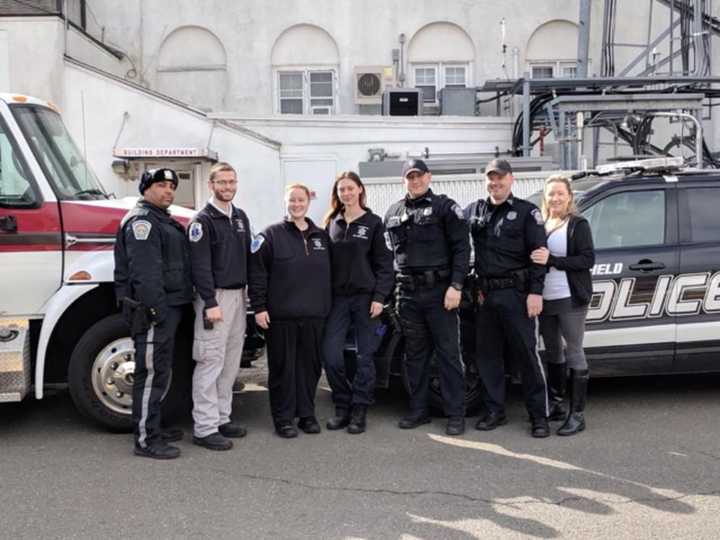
pixel 569 257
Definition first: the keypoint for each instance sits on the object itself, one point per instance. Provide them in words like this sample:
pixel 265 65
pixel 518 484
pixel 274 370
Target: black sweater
pixel 290 272
pixel 361 260
pixel 579 260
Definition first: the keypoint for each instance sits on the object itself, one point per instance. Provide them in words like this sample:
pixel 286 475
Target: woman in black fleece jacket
pixel 569 256
pixel 290 293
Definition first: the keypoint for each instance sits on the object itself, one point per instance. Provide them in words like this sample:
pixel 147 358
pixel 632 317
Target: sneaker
pixel 214 441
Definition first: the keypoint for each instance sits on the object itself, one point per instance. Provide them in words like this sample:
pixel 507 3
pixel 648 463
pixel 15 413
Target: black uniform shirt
pixel 220 250
pixel 361 261
pixel 152 259
pixel 503 238
pixel 429 233
pixel 290 272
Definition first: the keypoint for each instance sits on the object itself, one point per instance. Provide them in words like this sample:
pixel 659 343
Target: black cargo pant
pixel 502 318
pixel 154 352
pixel 351 310
pixel 294 367
pixel 427 326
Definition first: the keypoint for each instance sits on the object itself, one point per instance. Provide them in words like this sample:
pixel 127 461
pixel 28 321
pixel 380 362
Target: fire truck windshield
pixel 63 164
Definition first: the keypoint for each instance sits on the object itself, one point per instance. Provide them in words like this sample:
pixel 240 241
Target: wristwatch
pixel 457 286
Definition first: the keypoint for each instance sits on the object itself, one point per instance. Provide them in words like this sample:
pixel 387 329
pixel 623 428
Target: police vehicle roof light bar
pixel 654 164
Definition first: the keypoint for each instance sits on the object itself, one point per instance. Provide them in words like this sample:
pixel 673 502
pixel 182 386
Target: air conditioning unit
pixel 370 83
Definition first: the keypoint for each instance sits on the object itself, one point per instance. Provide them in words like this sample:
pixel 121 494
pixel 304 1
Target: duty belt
pixel 516 280
pixel 427 278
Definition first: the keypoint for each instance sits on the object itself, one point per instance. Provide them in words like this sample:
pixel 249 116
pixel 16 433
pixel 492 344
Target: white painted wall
pixel 153 122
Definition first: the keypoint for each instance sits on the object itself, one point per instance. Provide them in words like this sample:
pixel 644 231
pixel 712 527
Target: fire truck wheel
pixel 100 375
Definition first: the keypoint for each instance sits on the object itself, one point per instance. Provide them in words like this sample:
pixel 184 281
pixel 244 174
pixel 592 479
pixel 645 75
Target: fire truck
pixel 59 321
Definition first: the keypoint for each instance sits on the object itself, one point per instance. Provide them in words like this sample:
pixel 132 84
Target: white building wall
pixel 153 122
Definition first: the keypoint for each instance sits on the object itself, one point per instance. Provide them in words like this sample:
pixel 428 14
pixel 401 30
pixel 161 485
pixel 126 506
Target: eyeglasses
pixel 225 182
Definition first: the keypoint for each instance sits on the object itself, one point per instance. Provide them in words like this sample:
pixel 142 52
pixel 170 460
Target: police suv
pixel 656 281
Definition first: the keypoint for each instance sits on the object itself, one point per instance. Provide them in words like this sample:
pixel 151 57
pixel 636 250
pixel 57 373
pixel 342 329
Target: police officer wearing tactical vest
pixel 429 238
pixel 152 281
pixel 220 248
pixel 505 230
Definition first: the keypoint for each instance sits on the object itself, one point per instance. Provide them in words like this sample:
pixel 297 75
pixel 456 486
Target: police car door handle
pixel 646 265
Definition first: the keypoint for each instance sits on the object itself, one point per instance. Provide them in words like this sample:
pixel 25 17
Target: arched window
pixel 192 67
pixel 441 55
pixel 552 50
pixel 305 62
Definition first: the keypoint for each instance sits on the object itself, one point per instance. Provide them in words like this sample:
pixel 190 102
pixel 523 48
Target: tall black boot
pixel 556 384
pixel 575 422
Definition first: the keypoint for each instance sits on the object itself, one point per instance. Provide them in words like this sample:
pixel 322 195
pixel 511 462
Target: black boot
pixel 556 383
pixel 575 422
pixel 357 419
pixel 340 420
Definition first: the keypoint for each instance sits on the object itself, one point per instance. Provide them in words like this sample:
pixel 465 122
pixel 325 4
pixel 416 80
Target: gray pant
pixel 217 354
pixel 570 325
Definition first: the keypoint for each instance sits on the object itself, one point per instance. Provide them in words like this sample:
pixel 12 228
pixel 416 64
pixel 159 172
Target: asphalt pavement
pixel 648 466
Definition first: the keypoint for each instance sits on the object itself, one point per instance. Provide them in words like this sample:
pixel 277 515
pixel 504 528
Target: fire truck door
pixel 30 235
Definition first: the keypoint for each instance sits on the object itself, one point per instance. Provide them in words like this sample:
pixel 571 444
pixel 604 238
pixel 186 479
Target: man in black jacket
pixel 505 230
pixel 220 246
pixel 152 281
pixel 429 238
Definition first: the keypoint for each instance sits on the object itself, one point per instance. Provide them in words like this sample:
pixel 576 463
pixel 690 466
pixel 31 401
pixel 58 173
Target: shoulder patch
pixel 257 243
pixel 458 211
pixel 388 241
pixel 195 232
pixel 141 229
pixel 538 217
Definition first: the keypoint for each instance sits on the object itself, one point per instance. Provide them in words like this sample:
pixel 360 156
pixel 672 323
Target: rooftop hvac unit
pixel 402 102
pixel 370 83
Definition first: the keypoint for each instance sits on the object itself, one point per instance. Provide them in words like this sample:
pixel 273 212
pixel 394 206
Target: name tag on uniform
pixel 393 221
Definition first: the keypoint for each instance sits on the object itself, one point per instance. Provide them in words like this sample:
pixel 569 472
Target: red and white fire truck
pixel 59 323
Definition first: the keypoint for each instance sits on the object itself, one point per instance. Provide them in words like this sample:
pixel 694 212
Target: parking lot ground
pixel 648 466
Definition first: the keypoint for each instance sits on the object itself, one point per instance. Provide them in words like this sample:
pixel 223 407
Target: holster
pixel 137 316
pixel 522 280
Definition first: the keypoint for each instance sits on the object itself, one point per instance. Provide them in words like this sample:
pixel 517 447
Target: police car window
pixel 702 207
pixel 15 187
pixel 629 219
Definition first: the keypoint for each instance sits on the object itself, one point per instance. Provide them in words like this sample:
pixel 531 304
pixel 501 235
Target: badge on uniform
pixel 317 244
pixel 427 211
pixel 141 229
pixel 196 232
pixel 538 217
pixel 240 226
pixel 458 211
pixel 511 215
pixel 257 243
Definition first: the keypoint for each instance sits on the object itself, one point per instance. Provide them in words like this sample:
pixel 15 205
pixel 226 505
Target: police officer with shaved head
pixel 428 235
pixel 153 284
pixel 505 230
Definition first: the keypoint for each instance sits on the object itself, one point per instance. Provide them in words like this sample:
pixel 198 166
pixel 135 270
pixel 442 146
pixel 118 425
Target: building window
pixel 291 93
pixel 426 80
pixel 553 69
pixel 306 92
pixel 431 78
pixel 455 76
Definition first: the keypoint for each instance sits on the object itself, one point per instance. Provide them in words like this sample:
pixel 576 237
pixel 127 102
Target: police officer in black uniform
pixel 429 238
pixel 505 230
pixel 152 281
